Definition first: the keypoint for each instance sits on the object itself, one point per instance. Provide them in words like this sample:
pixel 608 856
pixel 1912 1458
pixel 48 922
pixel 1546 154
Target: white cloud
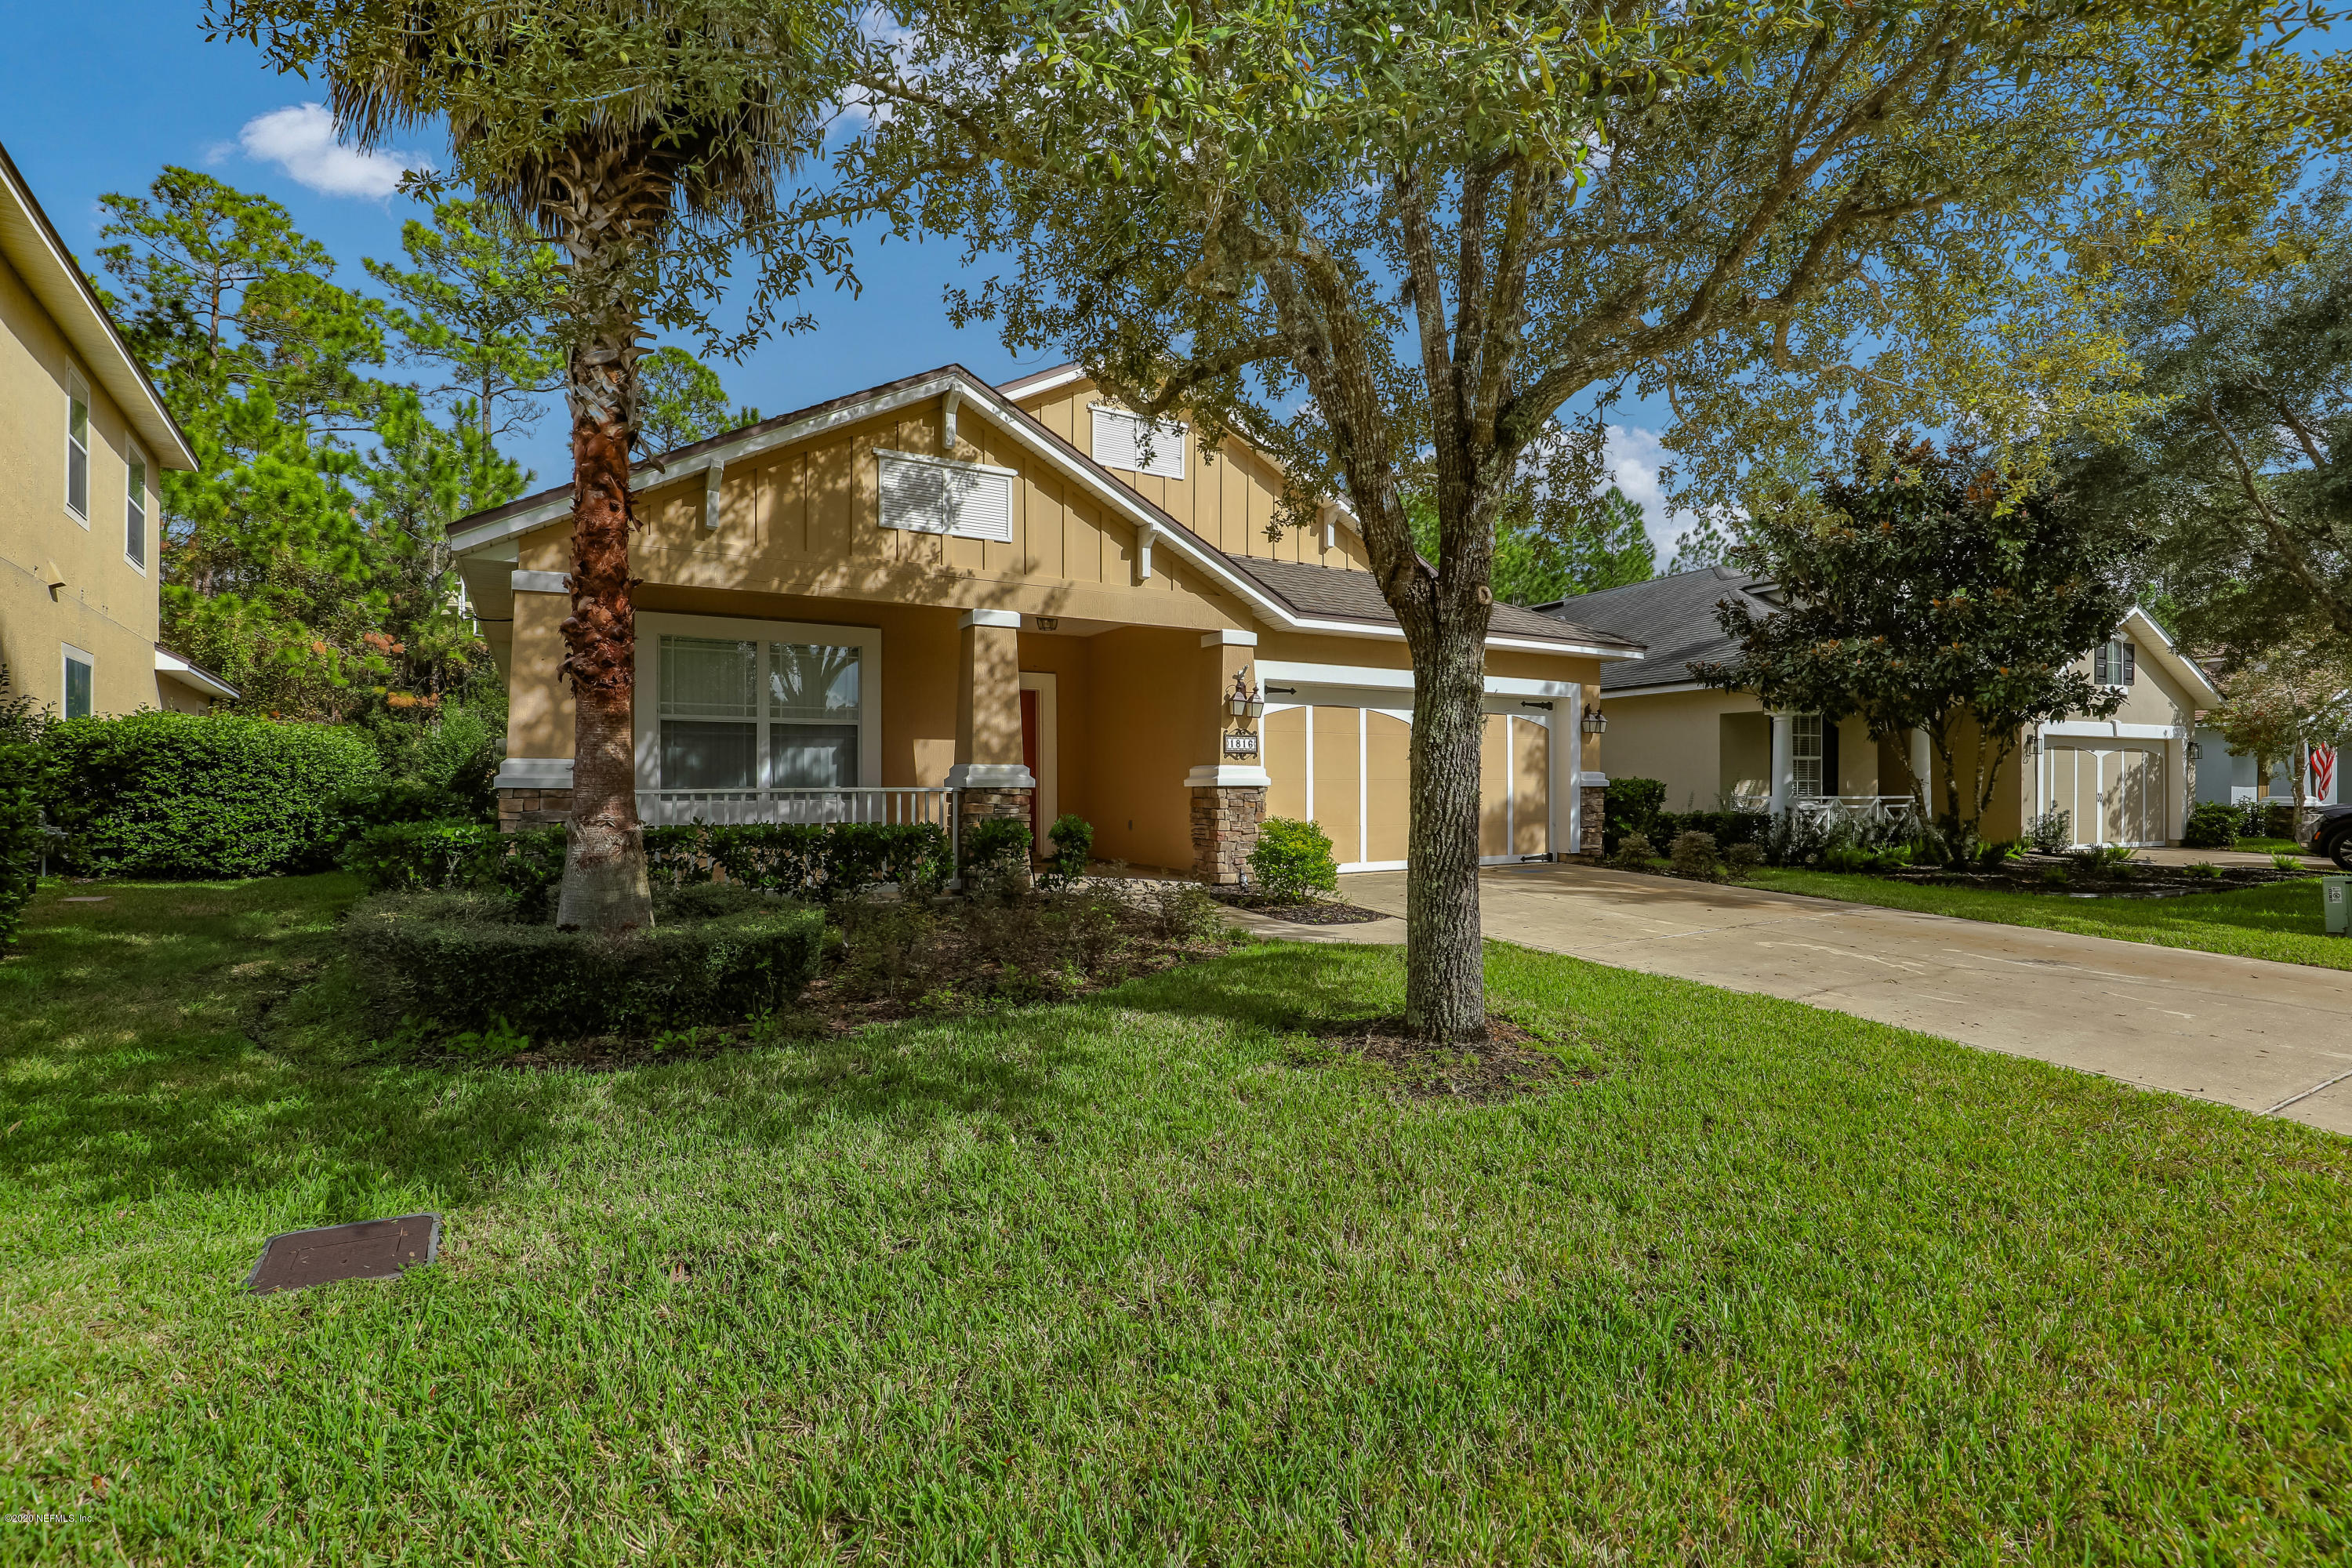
pixel 301 139
pixel 1632 459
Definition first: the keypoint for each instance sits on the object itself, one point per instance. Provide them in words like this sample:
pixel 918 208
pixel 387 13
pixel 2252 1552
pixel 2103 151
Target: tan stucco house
pixel 2128 779
pixel 941 596
pixel 82 437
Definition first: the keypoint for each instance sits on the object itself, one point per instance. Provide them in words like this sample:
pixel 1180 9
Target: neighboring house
pixel 939 595
pixel 82 437
pixel 2236 780
pixel 2125 780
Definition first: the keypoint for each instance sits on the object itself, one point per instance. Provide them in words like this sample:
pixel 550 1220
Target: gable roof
pixel 1239 575
pixel 54 280
pixel 1327 591
pixel 1673 616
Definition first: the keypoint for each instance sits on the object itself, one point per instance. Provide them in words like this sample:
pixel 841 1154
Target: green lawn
pixel 2283 920
pixel 1137 1280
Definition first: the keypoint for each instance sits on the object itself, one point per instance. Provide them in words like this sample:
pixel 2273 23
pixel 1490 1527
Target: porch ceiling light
pixel 1595 721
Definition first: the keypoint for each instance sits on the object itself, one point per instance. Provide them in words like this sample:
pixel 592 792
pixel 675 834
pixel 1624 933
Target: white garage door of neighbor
pixel 1348 770
pixel 2113 789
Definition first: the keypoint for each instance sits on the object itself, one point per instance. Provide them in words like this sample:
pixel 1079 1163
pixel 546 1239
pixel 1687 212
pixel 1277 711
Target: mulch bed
pixel 2140 881
pixel 1503 1065
pixel 1317 914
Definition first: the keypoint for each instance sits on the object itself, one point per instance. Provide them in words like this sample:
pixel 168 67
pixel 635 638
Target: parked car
pixel 2331 835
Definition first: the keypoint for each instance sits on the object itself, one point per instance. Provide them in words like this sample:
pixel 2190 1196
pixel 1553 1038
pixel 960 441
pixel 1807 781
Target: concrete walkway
pixel 2274 1038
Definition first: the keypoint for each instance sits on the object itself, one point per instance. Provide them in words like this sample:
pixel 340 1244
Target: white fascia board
pixel 2114 729
pixel 1051 382
pixel 187 674
pixel 57 287
pixel 1374 678
pixel 2202 692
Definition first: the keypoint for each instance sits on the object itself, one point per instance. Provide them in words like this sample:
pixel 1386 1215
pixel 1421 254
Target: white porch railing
pixel 883 804
pixel 1870 810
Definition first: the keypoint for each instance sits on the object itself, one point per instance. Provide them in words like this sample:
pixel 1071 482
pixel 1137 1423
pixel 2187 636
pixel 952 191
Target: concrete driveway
pixel 2274 1038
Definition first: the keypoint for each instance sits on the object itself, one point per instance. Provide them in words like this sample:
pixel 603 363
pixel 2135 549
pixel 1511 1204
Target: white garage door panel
pixel 2116 790
pixel 1348 769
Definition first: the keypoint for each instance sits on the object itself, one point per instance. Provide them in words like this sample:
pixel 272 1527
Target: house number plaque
pixel 1241 745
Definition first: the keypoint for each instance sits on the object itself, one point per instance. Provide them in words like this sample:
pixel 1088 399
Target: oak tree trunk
pixel 1445 978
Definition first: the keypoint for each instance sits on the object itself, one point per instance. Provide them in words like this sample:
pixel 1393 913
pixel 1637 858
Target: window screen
pixel 1805 733
pixel 134 514
pixel 922 495
pixel 750 715
pixel 76 452
pixel 1124 440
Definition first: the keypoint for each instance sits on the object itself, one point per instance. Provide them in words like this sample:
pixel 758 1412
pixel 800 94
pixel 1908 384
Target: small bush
pixel 2204 870
pixel 1992 857
pixel 1631 807
pixel 1694 854
pixel 400 800
pixel 2285 861
pixel 1293 861
pixel 2051 832
pixel 2211 826
pixel 1729 827
pixel 203 795
pixel 1634 852
pixel 997 844
pixel 1742 860
pixel 23 783
pixel 460 961
pixel 888 950
pixel 1183 911
pixel 1074 848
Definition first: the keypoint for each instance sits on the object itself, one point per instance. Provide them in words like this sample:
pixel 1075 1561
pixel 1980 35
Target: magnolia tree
pixel 644 138
pixel 2293 699
pixel 1394 241
pixel 1916 600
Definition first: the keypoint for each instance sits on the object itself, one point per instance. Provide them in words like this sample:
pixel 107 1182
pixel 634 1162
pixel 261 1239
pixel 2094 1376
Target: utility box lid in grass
pixel 364 1249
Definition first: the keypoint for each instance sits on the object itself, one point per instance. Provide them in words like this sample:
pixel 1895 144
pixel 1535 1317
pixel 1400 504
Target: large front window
pixel 743 714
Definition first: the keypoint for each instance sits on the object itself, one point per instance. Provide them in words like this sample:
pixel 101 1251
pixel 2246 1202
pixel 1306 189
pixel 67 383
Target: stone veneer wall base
pixel 533 808
pixel 1593 808
pixel 1225 830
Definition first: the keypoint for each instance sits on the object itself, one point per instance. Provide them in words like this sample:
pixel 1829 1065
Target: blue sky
pixel 102 97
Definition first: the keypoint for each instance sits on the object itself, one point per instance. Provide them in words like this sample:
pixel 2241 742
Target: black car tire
pixel 2339 850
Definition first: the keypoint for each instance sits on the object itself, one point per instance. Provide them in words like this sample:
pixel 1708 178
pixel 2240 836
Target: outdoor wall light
pixel 1241 702
pixel 2196 749
pixel 1595 722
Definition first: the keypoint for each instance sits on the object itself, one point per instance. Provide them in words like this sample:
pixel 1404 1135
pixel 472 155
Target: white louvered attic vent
pixel 928 495
pixel 1119 442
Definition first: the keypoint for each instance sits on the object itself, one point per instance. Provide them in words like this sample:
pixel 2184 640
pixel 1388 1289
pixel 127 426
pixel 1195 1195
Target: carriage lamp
pixel 2196 750
pixel 1242 702
pixel 1595 722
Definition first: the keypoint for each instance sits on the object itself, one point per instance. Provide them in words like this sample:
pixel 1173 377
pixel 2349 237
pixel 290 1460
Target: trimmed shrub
pixel 802 859
pixel 1692 854
pixel 2210 825
pixel 2051 832
pixel 24 782
pixel 1293 860
pixel 996 844
pixel 203 795
pixel 1074 849
pixel 1726 827
pixel 1633 806
pixel 400 800
pixel 460 961
pixel 1740 860
pixel 1634 852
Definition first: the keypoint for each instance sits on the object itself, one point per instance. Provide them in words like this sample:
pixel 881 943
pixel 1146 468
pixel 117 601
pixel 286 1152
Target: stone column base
pixel 1591 811
pixel 975 806
pixel 533 808
pixel 1225 830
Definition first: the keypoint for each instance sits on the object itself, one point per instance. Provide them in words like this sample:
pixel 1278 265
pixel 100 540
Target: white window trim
pixel 132 455
pixel 69 654
pixel 651 628
pixel 77 391
pixel 1011 499
pixel 1167 440
pixel 2112 647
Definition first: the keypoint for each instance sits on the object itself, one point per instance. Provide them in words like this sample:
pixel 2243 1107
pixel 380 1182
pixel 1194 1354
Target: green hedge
pixel 799 860
pixel 1637 806
pixel 24 773
pixel 2211 826
pixel 202 795
pixel 461 962
pixel 1293 860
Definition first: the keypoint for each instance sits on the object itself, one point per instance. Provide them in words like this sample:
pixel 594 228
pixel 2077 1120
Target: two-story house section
pixel 83 440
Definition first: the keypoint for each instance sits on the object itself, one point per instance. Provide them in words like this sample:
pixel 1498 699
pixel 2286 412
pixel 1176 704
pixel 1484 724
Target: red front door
pixel 1029 761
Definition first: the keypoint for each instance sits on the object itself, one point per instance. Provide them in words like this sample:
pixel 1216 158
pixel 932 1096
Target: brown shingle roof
pixel 1340 594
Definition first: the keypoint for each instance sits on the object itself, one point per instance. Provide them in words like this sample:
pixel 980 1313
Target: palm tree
pixel 646 139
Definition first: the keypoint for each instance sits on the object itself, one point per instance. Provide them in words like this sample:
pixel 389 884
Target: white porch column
pixel 1784 760
pixel 1919 764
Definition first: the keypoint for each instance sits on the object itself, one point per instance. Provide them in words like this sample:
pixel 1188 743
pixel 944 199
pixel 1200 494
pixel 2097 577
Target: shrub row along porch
pixel 942 601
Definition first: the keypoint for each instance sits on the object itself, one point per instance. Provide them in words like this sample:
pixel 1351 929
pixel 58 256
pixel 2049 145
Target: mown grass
pixel 1146 1279
pixel 2281 920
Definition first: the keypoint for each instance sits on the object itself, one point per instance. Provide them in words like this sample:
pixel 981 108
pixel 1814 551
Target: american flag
pixel 2323 771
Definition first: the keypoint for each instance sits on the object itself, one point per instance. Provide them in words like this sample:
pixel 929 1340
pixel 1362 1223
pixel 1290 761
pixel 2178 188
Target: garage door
pixel 2114 790
pixel 1348 770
